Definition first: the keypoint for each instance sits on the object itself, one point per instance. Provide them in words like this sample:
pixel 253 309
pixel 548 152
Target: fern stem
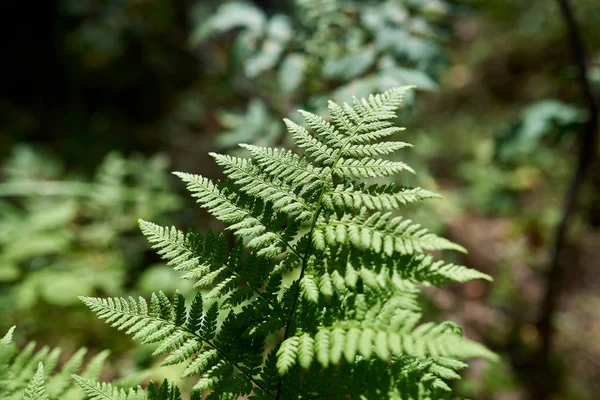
pixel 302 271
pixel 540 389
pixel 318 210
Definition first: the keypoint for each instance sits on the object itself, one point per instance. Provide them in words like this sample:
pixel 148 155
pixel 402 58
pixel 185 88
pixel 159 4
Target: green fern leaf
pixel 105 391
pixel 36 389
pixel 369 168
pixel 283 199
pixel 359 151
pixel 309 288
pixel 287 166
pixel 31 374
pixel 426 340
pixel 382 233
pixel 319 152
pixel 305 350
pixel 171 244
pixel 286 355
pixel 375 197
pixel 201 363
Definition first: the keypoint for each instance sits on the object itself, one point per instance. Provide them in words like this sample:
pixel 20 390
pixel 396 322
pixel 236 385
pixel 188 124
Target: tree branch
pixel 587 152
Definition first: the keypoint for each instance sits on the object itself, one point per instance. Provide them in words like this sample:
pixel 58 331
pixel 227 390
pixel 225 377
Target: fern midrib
pixel 318 210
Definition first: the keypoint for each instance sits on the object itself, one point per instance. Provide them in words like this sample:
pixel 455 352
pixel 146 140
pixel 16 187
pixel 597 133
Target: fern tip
pixel 142 222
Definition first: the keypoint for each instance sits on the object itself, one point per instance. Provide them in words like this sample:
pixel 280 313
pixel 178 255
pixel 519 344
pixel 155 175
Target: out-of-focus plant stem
pixel 587 153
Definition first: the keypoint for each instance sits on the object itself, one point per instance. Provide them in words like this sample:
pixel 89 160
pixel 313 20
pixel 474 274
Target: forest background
pixel 100 100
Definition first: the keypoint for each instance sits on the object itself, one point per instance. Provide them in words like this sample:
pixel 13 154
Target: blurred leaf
pixel 160 277
pixel 538 121
pixel 398 76
pixel 65 288
pixel 8 272
pixel 255 126
pixel 291 72
pixel 61 238
pixel 228 17
pixel 350 66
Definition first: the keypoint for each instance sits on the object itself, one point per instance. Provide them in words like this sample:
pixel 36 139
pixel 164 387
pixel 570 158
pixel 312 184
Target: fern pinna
pixel 317 298
pixel 32 374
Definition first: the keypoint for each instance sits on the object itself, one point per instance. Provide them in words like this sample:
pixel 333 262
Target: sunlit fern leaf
pixel 172 244
pixel 286 355
pixel 319 152
pixel 330 343
pixel 324 129
pixel 380 232
pixel 369 168
pixel 105 391
pixel 359 151
pixel 254 183
pixel 375 197
pixel 425 268
pixel 286 165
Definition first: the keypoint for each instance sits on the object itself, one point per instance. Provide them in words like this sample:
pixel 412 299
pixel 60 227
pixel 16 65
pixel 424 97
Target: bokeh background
pixel 101 99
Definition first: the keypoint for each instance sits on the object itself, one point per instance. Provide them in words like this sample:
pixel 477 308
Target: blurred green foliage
pixel 321 49
pixel 35 374
pixel 63 235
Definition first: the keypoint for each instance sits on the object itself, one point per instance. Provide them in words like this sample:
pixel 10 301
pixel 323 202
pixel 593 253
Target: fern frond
pixel 172 244
pixel 167 391
pixel 330 343
pixel 375 197
pixel 36 389
pixel 359 151
pixel 213 198
pixel 201 363
pixel 287 166
pixel 7 351
pixel 246 221
pixel 192 340
pixel 309 288
pixel 148 325
pixel 377 110
pixel 281 196
pixel 325 131
pixel 425 268
pixel 319 152
pixel 287 353
pixel 31 374
pixel 381 233
pixel 105 391
pixel 369 168
pixel 60 382
pixel 323 275
pixel 376 130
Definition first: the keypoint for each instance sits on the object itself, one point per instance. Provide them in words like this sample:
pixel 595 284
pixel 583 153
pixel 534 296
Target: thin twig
pixel 586 155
